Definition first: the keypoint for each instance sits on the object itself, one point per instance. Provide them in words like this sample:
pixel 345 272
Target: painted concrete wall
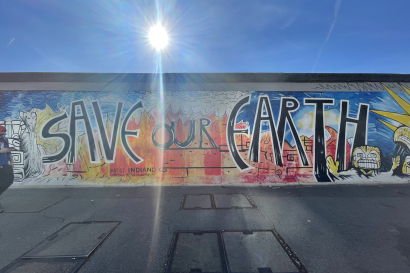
pixel 304 132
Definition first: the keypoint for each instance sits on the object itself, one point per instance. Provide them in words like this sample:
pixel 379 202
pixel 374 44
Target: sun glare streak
pixel 157 86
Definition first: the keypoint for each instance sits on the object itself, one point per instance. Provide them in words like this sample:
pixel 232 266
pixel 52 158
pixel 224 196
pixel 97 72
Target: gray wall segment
pixel 201 81
pixel 201 77
pixel 231 86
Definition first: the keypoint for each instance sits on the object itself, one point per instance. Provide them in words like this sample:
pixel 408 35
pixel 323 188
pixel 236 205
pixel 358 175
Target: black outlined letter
pixel 45 133
pixel 360 136
pixel 191 135
pixel 203 129
pixel 171 136
pixel 108 148
pixel 92 148
pixel 124 133
pixel 287 106
pixel 319 150
pixel 254 150
pixel 231 132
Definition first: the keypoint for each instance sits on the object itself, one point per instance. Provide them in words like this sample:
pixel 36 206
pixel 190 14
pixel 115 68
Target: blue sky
pixel 206 36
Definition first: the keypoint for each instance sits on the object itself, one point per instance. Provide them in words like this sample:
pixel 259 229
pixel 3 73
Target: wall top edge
pixel 200 77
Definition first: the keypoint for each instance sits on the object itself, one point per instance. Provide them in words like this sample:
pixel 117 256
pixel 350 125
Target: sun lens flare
pixel 158 37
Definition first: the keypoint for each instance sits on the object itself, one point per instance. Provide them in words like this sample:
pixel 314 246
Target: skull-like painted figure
pixel 406 165
pixel 366 159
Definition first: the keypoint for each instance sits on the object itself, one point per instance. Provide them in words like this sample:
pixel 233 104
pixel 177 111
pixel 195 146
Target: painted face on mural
pixel 406 165
pixel 402 135
pixel 29 119
pixel 367 159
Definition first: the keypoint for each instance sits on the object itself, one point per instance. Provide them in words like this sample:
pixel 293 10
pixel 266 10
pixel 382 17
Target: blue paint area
pixel 108 101
pixel 12 103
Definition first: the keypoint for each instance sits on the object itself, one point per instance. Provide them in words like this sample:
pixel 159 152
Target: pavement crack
pixel 257 209
pixel 53 217
pixel 387 206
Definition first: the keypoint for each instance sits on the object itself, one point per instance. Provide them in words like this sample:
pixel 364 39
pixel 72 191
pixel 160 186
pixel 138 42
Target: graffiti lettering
pixel 79 106
pixel 319 164
pixel 125 133
pixel 190 138
pixel 264 113
pixel 143 170
pixel 360 138
pixel 171 136
pixel 231 132
pixel 45 134
pixel 287 106
pixel 191 135
pixel 230 137
pixel 108 149
pixel 202 129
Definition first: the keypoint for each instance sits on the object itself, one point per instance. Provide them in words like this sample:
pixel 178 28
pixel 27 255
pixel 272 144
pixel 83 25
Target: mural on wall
pixel 199 137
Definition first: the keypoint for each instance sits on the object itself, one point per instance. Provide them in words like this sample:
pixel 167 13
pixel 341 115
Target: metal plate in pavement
pixel 196 252
pixel 257 251
pixel 232 201
pixel 197 201
pixel 74 240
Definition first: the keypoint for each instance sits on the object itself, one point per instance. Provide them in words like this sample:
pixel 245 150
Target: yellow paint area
pixel 308 119
pixel 402 135
pixel 50 145
pixel 406 165
pixel 367 159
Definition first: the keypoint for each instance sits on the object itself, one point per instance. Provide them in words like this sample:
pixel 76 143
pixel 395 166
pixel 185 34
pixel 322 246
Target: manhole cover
pixel 36 204
pixel 44 265
pixel 196 252
pixel 74 240
pixel 197 201
pixel 257 251
pixel 229 201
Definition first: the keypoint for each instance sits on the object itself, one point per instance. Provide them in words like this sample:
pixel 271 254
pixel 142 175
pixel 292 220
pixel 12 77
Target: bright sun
pixel 158 37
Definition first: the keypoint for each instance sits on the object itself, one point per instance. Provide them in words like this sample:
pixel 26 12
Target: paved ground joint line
pixel 290 253
pixel 22 204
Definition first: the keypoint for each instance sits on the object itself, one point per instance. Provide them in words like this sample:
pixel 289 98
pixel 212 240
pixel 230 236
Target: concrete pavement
pixel 330 228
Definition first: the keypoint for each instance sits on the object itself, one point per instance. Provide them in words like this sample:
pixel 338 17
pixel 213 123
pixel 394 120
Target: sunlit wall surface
pixel 355 132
